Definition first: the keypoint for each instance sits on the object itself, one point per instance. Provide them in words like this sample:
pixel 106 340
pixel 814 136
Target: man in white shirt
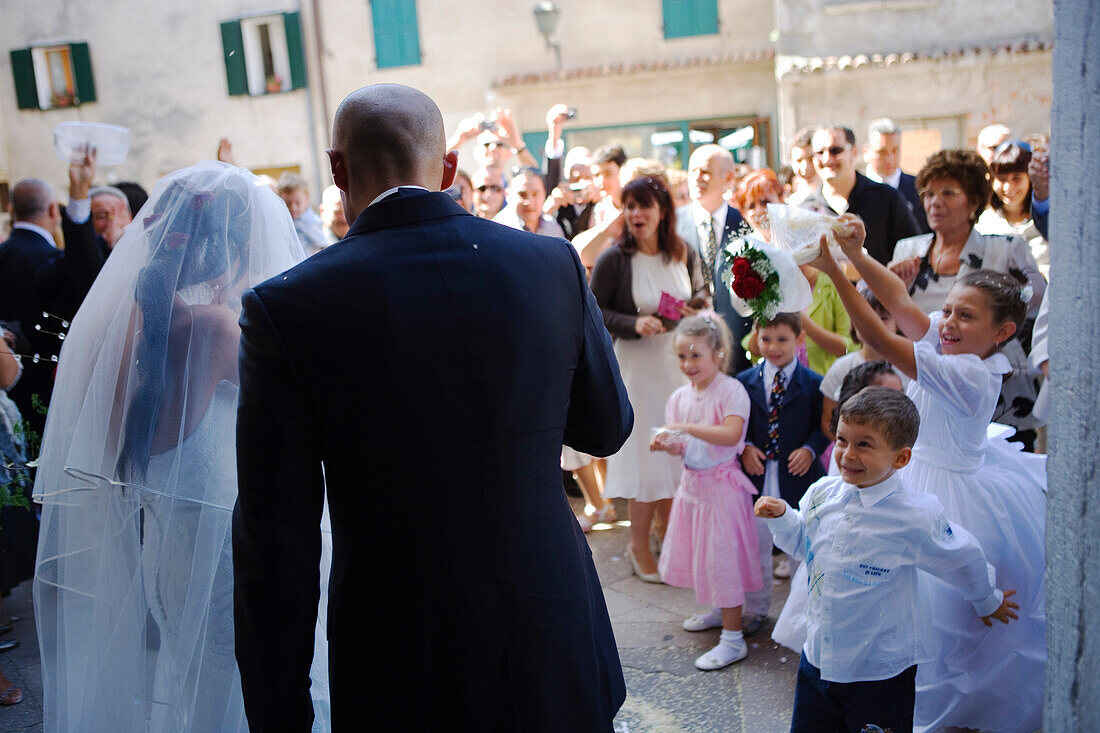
pixel 526 195
pixel 882 154
pixel 863 536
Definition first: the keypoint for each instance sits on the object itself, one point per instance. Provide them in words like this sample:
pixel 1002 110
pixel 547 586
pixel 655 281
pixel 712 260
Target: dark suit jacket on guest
pixel 907 187
pixel 36 277
pixel 432 363
pixel 723 306
pixel 799 425
pixel 885 214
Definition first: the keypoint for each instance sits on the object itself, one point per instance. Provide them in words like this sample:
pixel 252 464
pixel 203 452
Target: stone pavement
pixel 21 665
pixel 665 693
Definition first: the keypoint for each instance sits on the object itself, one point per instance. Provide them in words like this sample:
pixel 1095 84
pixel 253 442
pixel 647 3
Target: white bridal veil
pixel 137 477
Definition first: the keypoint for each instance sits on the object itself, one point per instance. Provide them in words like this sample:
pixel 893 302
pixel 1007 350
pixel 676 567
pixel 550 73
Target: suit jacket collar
pixel 25 226
pixel 734 221
pixel 407 206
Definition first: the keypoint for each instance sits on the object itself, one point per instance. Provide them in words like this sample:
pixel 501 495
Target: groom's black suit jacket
pixel 433 363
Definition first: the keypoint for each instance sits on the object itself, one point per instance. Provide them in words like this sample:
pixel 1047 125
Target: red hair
pixel 756 186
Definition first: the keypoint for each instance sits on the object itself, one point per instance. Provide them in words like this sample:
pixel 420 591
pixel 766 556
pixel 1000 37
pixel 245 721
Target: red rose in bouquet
pixel 741 268
pixel 748 287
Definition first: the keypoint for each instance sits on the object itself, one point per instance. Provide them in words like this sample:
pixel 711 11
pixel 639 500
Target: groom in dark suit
pixel 427 368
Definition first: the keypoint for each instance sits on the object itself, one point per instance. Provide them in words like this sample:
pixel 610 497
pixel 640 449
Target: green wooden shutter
pixel 536 143
pixel 22 68
pixel 690 17
pixel 82 72
pixel 236 75
pixel 293 25
pixel 396 38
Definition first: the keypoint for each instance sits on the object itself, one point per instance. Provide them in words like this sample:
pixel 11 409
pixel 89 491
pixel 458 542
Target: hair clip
pixel 1027 293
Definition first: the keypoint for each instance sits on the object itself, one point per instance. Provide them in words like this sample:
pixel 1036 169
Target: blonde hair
pixel 710 326
pixel 292 183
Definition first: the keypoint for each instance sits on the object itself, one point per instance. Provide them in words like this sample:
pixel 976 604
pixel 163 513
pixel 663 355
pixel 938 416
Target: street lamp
pixel 547 17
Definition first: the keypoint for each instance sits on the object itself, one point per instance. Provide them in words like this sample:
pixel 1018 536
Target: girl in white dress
pixel 985 679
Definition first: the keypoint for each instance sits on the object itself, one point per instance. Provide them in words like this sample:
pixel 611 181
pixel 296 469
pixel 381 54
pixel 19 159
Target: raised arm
pixel 887 287
pixel 896 349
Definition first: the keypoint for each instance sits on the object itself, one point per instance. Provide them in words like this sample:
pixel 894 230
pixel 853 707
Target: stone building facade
pixel 660 76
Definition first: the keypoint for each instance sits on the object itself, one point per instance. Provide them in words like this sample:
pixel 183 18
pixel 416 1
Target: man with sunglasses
pixel 488 192
pixel 844 189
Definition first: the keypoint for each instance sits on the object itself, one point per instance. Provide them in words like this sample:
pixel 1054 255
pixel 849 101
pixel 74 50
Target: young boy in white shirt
pixel 863 536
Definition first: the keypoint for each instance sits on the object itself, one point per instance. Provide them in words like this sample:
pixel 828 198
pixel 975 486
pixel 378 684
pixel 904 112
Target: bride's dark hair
pixel 198 232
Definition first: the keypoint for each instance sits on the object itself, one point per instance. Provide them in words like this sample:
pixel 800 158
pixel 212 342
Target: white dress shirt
pixel 771 468
pixel 391 191
pixel 893 180
pixel 862 548
pixel 36 229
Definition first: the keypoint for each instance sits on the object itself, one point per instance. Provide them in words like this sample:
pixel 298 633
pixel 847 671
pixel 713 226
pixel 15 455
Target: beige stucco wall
pixel 1013 89
pixel 731 90
pixel 466 45
pixel 835 27
pixel 160 73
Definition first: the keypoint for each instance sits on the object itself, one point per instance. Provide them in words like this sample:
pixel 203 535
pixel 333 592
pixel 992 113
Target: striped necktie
pixel 710 252
pixel 778 388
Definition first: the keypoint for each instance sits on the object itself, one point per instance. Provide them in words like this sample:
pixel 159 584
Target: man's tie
pixel 778 388
pixel 710 253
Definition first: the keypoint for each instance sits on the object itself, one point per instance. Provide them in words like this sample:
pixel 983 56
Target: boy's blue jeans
pixel 823 707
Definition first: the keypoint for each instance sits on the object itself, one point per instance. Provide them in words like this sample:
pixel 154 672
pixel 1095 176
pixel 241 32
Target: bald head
pixel 31 199
pixel 386 135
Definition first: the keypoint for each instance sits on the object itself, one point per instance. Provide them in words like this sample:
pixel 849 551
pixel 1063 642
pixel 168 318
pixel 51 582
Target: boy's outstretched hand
pixel 769 507
pixel 1003 613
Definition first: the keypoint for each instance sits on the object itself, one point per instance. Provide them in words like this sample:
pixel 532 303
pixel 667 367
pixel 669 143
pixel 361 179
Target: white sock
pixel 731 637
pixel 729 649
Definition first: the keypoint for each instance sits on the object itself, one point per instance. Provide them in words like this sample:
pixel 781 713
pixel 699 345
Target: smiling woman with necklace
pixel 954 187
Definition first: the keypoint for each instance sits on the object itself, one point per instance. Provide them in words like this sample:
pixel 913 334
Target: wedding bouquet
pixel 763 280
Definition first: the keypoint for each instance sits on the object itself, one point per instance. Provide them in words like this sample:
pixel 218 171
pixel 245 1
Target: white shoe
pixel 647 577
pixel 702 622
pixel 723 655
pixel 603 516
pixel 783 568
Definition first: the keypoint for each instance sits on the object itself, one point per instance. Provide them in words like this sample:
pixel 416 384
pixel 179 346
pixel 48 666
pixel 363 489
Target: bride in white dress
pixel 137 480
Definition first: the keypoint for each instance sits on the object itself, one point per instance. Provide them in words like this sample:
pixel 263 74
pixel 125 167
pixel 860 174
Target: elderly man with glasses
pixel 844 189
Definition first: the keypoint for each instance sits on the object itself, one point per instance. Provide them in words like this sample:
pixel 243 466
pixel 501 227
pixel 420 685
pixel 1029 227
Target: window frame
pixel 34 79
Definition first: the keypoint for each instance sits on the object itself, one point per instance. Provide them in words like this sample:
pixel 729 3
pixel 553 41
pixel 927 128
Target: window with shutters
pixel 49 77
pixel 396 37
pixel 263 55
pixel 690 17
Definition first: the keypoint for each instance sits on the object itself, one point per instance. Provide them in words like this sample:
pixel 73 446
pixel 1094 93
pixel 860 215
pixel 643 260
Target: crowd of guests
pixel 758 408
pixel 726 408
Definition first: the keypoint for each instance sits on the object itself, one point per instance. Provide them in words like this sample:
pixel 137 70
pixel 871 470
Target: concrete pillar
pixel 1073 513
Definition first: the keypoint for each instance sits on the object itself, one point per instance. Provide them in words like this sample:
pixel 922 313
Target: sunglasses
pixel 833 151
pixel 490 187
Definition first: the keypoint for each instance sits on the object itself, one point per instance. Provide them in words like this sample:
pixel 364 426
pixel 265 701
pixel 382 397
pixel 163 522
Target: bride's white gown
pixel 184 676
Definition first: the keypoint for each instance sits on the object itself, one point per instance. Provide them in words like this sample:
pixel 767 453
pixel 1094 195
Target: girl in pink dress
pixel 711 540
